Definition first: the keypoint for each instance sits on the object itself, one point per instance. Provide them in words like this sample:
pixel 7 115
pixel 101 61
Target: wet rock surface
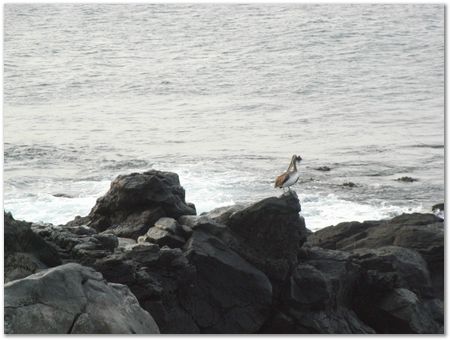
pixel 253 268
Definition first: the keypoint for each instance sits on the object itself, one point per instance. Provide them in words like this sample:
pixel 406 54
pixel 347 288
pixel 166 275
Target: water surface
pixel 224 95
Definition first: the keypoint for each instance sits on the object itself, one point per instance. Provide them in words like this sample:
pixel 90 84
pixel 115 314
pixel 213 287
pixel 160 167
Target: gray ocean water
pixel 224 95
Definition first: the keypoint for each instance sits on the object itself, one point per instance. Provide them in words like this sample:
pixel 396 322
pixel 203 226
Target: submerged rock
pixel 73 299
pixel 439 206
pixel 438 210
pixel 407 179
pixel 135 202
pixel 62 195
pixel 323 168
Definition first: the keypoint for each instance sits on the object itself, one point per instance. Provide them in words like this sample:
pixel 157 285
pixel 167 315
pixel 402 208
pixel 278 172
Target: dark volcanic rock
pixel 136 201
pixel 78 243
pixel 423 233
pixel 167 232
pixel 25 252
pixel 438 207
pixel 395 294
pixel 228 295
pixel 164 238
pixel 400 289
pixel 318 296
pixel 242 269
pixel 395 267
pixel 209 226
pixel 416 231
pixel 222 215
pixel 155 275
pixel 73 299
pixel 269 234
pixel 401 311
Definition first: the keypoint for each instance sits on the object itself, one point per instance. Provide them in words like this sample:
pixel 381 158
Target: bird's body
pixel 290 177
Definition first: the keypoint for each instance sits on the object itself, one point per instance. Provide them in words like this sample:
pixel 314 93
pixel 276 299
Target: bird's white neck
pixel 293 165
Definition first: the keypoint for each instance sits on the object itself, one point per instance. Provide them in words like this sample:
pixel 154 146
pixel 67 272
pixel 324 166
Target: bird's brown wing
pixel 281 180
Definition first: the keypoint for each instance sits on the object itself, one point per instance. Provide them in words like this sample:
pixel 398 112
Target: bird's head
pixel 297 158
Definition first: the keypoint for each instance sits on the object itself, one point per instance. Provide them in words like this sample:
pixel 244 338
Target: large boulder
pixel 73 299
pixel 269 234
pixel 135 202
pixel 25 252
pixel 228 294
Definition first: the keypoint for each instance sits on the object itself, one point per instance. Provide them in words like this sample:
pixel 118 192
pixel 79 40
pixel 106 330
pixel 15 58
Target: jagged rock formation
pixel 135 202
pixel 423 233
pixel 401 287
pixel 247 269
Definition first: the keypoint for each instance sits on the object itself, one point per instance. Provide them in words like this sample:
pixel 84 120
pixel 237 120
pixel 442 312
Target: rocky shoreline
pixel 143 262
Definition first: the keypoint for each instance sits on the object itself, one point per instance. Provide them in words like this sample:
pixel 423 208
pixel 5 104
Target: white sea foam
pixel 324 210
pixel 49 209
pixel 319 211
pixel 45 207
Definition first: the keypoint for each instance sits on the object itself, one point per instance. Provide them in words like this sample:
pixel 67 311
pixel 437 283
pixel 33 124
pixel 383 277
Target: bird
pixel 290 177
